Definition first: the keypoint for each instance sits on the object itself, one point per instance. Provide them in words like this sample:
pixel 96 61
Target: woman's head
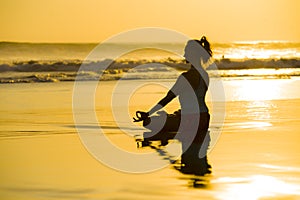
pixel 197 50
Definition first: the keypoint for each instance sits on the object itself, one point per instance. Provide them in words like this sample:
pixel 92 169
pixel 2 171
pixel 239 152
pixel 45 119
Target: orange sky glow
pixel 97 20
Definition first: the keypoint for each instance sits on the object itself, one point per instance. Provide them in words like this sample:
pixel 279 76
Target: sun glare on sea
pixel 257 90
pixel 257 187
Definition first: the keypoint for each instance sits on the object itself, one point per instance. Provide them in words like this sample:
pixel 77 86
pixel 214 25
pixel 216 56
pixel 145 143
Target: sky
pixel 97 20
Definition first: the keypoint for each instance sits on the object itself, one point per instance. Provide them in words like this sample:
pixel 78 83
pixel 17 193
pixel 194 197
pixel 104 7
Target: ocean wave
pixel 40 77
pixel 74 65
pixel 258 63
pixel 71 70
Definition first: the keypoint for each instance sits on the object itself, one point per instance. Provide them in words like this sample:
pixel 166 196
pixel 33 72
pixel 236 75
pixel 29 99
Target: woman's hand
pixel 140 116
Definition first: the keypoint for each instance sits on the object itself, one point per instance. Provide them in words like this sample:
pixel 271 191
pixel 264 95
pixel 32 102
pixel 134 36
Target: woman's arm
pixel 169 97
pixel 173 92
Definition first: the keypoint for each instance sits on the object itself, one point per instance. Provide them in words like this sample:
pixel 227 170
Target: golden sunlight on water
pixel 260 110
pixel 261 89
pixel 258 90
pixel 256 187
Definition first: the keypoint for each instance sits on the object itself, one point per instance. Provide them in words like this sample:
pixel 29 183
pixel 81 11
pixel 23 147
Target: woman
pixel 191 88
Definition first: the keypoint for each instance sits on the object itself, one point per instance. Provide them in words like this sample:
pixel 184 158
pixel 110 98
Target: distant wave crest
pixel 69 70
pixel 74 65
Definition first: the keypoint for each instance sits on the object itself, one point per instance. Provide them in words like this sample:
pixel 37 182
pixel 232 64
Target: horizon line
pixel 159 42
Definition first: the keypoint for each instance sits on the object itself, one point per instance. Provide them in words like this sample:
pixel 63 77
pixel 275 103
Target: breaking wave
pixel 68 70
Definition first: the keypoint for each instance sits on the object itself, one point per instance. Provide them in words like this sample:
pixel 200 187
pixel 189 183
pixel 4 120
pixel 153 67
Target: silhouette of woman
pixel 191 88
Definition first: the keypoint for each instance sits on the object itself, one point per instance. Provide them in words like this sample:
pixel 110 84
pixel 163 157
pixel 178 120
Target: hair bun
pixel 206 45
pixel 203 39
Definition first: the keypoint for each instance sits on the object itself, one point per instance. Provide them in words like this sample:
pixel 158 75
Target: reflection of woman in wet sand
pixel 191 88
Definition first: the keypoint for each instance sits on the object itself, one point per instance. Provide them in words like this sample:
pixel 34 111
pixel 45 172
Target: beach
pixel 42 156
pixel 96 103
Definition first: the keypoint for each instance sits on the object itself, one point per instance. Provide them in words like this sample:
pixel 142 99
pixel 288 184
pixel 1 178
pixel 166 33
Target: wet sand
pixel 42 157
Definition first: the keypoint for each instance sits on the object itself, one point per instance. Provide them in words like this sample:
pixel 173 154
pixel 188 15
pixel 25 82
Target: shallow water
pixel 42 157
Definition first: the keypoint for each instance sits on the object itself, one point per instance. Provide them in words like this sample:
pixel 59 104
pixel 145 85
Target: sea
pixel 57 62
